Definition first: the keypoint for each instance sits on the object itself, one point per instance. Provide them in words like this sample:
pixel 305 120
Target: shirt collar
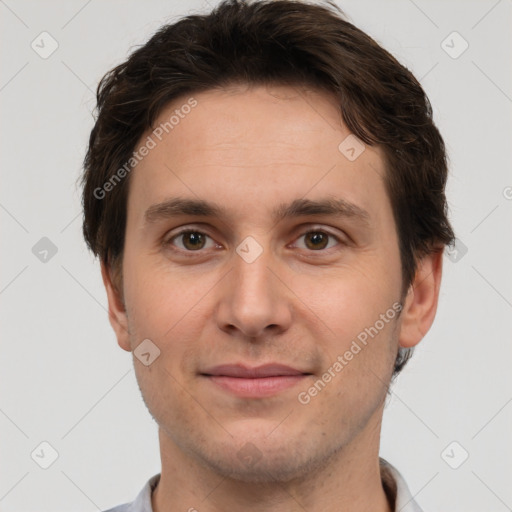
pixel 396 489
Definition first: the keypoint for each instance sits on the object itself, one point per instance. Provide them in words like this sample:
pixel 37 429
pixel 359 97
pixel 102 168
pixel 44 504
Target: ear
pixel 116 308
pixel 421 301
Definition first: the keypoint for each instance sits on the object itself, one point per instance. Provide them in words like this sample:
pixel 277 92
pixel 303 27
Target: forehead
pixel 244 143
pixel 266 120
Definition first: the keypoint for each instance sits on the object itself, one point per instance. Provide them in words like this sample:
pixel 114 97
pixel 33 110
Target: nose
pixel 254 302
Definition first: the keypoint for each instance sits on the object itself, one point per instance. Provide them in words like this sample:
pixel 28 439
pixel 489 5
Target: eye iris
pixel 316 237
pixel 193 240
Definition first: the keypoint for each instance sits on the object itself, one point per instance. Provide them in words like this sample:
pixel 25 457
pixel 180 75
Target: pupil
pixel 194 239
pixel 317 239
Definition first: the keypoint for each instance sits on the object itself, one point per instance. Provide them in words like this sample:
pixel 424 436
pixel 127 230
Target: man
pixel 264 186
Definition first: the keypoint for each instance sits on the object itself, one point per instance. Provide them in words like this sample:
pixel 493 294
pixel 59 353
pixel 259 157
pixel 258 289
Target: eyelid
pixel 309 227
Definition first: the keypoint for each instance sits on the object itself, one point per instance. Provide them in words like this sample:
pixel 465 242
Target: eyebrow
pixel 175 207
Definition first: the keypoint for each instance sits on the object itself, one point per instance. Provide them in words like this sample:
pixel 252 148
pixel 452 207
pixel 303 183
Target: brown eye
pixel 316 240
pixel 191 241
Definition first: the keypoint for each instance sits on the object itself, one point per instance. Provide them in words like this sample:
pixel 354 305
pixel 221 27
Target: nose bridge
pixel 253 299
pixel 252 277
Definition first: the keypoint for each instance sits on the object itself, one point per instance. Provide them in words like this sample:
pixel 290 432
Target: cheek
pixel 350 299
pixel 172 309
pixel 356 315
pixel 159 297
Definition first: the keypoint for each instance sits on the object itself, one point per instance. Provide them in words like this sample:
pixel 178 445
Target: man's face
pixel 297 293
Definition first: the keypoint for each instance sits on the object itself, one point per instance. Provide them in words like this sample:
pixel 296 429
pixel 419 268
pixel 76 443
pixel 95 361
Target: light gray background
pixel 64 380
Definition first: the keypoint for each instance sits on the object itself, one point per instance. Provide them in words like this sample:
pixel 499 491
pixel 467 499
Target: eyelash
pixel 168 242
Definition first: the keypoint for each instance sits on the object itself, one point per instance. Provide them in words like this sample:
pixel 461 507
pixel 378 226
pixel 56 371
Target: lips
pixel 244 372
pixel 255 382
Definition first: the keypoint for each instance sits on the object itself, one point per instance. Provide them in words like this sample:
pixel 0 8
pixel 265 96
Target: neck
pixel 349 481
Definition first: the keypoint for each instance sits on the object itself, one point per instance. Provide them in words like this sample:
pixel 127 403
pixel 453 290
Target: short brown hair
pixel 285 42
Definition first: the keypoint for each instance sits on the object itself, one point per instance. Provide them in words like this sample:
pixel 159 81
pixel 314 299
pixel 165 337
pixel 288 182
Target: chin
pixel 263 460
pixel 269 468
